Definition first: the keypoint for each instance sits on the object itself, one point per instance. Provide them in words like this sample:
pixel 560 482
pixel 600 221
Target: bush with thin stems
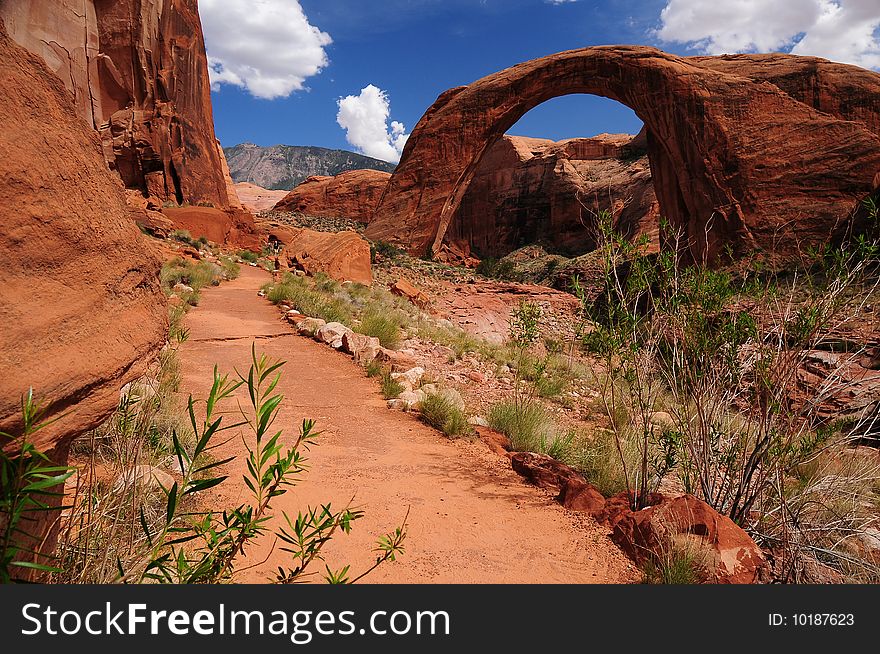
pixel 725 353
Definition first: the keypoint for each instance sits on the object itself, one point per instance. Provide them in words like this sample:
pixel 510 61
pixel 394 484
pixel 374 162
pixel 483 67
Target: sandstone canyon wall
pixel 80 302
pixel 138 73
pixel 354 194
pixel 739 156
pixel 530 190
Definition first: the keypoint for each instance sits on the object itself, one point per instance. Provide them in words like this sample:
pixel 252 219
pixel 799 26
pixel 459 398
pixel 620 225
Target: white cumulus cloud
pixel 265 46
pixel 841 30
pixel 365 117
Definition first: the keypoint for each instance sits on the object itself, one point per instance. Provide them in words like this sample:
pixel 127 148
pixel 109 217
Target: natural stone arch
pixel 736 159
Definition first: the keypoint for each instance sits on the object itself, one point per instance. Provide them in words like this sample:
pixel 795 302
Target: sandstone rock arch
pixel 742 148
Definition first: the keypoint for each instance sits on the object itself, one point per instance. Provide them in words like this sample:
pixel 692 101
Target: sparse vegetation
pixel 503 269
pixel 391 388
pixel 136 532
pixel 719 355
pixel 373 368
pixel 247 256
pixel 439 411
pixel 382 325
pixel 382 250
pixel 310 301
pixel 679 565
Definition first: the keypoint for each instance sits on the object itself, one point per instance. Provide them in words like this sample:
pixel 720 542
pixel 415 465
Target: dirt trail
pixel 472 519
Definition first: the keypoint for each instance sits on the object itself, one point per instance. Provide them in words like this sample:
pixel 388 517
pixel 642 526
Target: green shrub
pixel 384 326
pixel 182 236
pixel 677 566
pixel 247 255
pixel 504 269
pixel 195 275
pixel 442 414
pixel 231 270
pixel 600 461
pixel 391 388
pixel 384 250
pixel 526 424
pixel 308 301
pixel 374 368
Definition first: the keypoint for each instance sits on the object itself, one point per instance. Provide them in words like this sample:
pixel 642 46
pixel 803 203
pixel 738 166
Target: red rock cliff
pixel 353 194
pixel 528 190
pixel 139 75
pixel 80 302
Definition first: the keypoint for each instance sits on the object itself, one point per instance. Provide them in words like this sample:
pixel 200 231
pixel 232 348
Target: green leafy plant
pixel 206 548
pixel 28 483
pixel 248 256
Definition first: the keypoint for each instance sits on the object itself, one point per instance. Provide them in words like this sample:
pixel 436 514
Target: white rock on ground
pixel 408 400
pixel 411 379
pixel 310 326
pixel 332 333
pixel 354 344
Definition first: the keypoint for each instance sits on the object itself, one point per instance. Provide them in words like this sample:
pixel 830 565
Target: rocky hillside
pixel 282 167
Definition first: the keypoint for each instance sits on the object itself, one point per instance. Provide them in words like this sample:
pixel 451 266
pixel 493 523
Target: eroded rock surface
pixel 138 73
pixel 533 190
pixel 80 302
pixel 353 195
pixel 740 155
pixel 344 256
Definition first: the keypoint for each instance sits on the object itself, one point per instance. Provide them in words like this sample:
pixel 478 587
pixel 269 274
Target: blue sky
pixel 412 50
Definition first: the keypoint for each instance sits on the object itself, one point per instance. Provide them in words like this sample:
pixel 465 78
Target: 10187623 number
pixel 812 620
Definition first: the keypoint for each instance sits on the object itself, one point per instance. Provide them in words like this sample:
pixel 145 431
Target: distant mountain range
pixel 282 167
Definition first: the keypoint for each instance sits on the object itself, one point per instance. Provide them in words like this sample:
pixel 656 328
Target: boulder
pixel 411 379
pixel 310 326
pixel 745 152
pixel 360 346
pixel 452 396
pixel 183 288
pixel 581 496
pixel 404 289
pixel 496 441
pixel 138 74
pixel 343 256
pixel 543 471
pixel 725 553
pixel 397 361
pixel 332 334
pixel 408 400
pixel 353 194
pixel 223 226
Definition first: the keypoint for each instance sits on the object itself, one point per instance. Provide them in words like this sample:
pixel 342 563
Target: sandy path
pixel 472 519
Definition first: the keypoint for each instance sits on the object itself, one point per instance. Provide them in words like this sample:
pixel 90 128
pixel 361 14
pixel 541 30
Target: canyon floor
pixel 471 518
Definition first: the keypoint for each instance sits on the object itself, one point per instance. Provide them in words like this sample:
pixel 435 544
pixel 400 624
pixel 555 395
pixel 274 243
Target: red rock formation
pixel 736 161
pixel 139 75
pixel 344 256
pixel 404 289
pixel 256 198
pixel 80 302
pixel 233 227
pixel 354 194
pixel 724 553
pixel 532 190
